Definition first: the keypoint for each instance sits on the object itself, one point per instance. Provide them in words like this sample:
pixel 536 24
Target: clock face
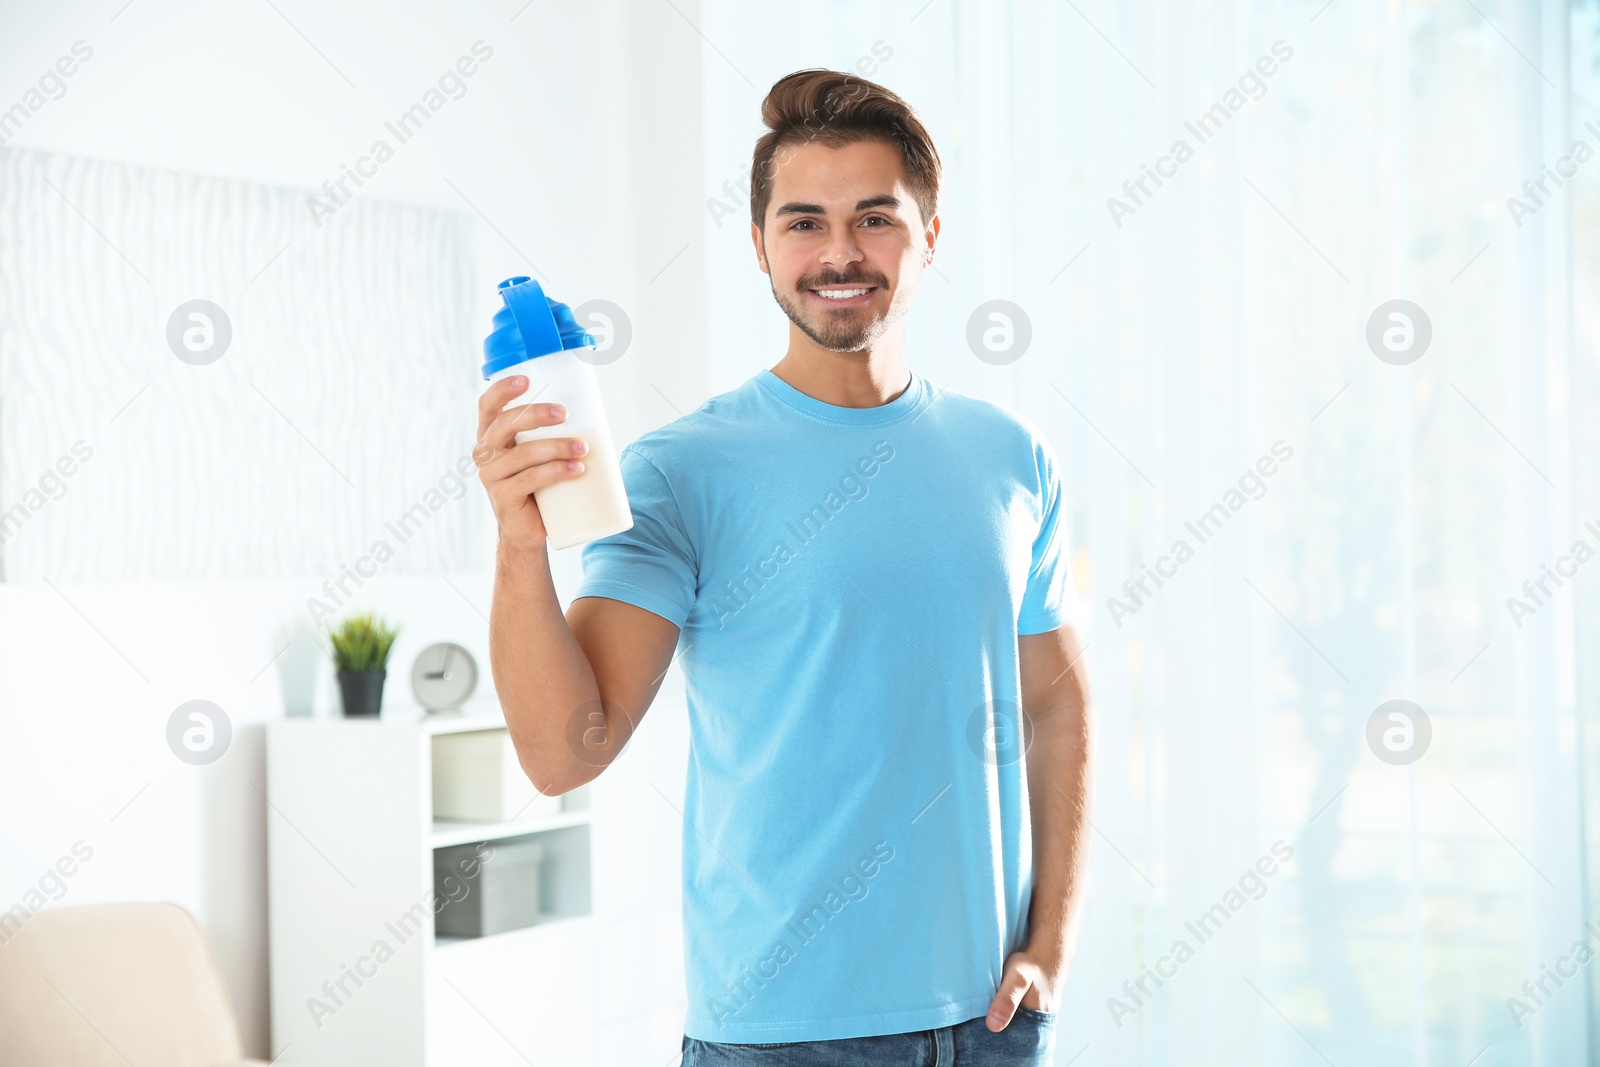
pixel 443 676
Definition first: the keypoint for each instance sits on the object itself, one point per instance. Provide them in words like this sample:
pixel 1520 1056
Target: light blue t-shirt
pixel 850 584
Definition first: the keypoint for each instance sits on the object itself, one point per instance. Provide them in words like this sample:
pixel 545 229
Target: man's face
pixel 841 220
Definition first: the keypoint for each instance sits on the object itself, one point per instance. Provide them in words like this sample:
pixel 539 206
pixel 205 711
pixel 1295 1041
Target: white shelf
pixel 549 925
pixel 350 852
pixel 452 832
pixel 455 723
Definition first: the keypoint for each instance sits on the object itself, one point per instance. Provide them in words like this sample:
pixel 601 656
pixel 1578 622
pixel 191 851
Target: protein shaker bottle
pixel 538 337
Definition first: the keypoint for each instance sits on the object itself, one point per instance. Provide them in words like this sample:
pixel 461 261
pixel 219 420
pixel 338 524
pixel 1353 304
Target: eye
pixel 877 218
pixel 797 225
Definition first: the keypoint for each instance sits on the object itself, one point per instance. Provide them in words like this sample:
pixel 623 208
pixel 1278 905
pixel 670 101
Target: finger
pixel 1004 1005
pixel 506 425
pixel 519 458
pixel 501 437
pixel 517 486
pixel 496 397
pixel 503 428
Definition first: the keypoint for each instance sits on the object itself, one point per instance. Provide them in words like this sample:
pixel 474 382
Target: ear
pixel 761 252
pixel 931 237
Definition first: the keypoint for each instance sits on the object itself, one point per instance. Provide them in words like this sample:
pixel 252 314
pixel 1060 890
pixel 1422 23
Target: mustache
pixel 840 283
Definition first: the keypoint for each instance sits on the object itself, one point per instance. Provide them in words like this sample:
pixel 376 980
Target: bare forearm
pixel 1059 772
pixel 544 680
pixel 1055 706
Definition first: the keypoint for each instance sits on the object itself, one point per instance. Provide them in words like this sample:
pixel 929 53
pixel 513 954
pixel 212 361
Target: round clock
pixel 443 676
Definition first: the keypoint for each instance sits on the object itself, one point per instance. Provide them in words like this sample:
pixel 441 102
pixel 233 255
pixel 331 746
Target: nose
pixel 841 251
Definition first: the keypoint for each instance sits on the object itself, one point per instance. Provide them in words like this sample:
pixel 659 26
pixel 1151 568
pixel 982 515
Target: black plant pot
pixel 362 692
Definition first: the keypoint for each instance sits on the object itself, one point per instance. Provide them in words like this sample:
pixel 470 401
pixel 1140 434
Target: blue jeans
pixel 1027 1041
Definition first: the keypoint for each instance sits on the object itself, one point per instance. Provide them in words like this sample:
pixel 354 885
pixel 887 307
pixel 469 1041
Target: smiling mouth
pixel 844 296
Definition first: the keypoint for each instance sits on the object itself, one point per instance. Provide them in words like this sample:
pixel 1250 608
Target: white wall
pixel 567 148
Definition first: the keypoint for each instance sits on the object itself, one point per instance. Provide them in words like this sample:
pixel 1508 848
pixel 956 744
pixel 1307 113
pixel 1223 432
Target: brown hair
pixel 835 109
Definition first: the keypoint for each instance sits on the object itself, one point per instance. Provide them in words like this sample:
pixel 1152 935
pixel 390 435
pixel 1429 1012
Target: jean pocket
pixel 1035 1014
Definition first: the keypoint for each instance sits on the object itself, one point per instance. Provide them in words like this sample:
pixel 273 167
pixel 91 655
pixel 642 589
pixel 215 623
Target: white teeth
pixel 841 294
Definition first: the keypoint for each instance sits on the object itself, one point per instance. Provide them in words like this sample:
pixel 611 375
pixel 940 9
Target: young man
pixel 884 822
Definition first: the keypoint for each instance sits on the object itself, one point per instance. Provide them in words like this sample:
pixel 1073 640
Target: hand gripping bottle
pixel 538 337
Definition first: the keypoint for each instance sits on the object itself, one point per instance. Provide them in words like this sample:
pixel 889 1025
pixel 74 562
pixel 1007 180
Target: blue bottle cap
pixel 530 325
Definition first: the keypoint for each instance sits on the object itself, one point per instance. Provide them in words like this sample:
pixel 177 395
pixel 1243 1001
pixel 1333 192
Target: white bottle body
pixel 595 503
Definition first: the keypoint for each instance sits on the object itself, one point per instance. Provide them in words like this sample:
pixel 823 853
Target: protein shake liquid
pixel 538 337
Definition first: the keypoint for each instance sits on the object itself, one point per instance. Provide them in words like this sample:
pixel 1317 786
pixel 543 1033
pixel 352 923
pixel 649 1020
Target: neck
pixel 869 378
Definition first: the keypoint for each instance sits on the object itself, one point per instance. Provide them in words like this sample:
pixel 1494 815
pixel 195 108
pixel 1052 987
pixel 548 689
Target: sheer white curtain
pixel 1306 530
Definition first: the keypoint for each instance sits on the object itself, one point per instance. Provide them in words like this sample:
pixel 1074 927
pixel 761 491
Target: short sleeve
pixel 1045 601
pixel 651 565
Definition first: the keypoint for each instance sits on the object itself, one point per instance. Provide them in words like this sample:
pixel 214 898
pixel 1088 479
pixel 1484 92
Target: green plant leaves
pixel 362 643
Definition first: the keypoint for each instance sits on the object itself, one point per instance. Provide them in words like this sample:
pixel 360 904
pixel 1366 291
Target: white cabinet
pixel 357 973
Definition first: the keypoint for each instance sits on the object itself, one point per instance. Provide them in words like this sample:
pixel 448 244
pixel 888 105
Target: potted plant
pixel 361 646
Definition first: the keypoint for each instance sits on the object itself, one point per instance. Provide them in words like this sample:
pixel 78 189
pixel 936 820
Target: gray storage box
pixel 504 895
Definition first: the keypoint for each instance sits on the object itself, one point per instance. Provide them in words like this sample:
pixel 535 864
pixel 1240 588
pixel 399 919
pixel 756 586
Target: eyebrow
pixel 795 208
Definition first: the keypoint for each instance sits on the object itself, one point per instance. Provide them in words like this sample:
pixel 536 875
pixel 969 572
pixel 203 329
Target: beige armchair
pixel 106 985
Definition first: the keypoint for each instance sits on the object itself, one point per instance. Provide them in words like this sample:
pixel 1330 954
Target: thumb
pixel 1012 987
